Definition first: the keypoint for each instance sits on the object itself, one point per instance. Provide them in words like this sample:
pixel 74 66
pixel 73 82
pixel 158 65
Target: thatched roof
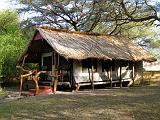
pixel 78 45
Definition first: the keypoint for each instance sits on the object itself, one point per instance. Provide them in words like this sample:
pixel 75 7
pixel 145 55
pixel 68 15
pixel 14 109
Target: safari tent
pixel 80 58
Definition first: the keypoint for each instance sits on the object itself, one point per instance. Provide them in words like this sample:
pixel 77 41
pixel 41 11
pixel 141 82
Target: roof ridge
pixel 76 32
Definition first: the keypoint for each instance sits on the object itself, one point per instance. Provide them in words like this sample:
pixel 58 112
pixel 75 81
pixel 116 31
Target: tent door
pixel 47 64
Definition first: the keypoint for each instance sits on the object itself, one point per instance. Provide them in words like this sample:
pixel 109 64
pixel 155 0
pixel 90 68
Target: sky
pixel 5 4
pixel 10 4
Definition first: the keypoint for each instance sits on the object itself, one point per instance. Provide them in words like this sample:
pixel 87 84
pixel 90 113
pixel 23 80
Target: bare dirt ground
pixel 137 103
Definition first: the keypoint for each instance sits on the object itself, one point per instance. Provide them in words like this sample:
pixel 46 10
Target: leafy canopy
pixel 85 15
pixel 12 42
pixel 134 18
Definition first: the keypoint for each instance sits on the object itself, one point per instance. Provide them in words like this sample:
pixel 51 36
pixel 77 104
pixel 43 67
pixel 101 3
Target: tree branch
pixel 131 18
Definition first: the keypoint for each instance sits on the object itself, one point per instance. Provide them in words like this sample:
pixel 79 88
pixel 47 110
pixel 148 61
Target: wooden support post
pixel 133 73
pixel 142 75
pixel 92 78
pixel 71 72
pixel 120 78
pixel 55 71
pixel 90 72
pixel 110 76
pixel 22 79
pixel 21 73
pixel 21 82
pixel 36 83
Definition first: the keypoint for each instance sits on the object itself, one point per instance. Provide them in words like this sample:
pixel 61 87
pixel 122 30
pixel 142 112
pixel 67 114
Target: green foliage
pixel 85 15
pixel 28 32
pixel 12 42
pixel 2 93
pixel 8 22
pixel 148 35
pixel 155 44
pixel 145 35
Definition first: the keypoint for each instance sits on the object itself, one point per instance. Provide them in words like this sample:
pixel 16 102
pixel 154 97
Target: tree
pixel 115 17
pixel 85 15
pixel 144 35
pixel 69 14
pixel 12 42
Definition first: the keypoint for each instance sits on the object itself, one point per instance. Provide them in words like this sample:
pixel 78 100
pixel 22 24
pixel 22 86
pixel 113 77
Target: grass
pixel 2 93
pixel 138 103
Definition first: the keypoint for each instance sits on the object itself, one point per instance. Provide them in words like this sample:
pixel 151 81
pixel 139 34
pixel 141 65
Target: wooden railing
pixel 29 75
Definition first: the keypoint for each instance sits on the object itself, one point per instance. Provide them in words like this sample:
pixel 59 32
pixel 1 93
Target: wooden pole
pixel 92 78
pixel 120 79
pixel 22 79
pixel 55 72
pixel 71 72
pixel 35 79
pixel 142 74
pixel 89 73
pixel 21 82
pixel 111 75
pixel 21 73
pixel 133 72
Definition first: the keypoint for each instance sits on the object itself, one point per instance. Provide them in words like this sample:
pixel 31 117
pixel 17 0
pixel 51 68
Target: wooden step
pixel 27 93
pixel 45 87
pixel 42 90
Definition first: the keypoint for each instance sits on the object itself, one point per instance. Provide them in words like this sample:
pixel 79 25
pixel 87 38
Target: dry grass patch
pixel 110 104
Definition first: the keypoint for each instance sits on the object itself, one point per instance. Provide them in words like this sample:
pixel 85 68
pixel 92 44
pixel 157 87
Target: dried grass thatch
pixel 78 45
